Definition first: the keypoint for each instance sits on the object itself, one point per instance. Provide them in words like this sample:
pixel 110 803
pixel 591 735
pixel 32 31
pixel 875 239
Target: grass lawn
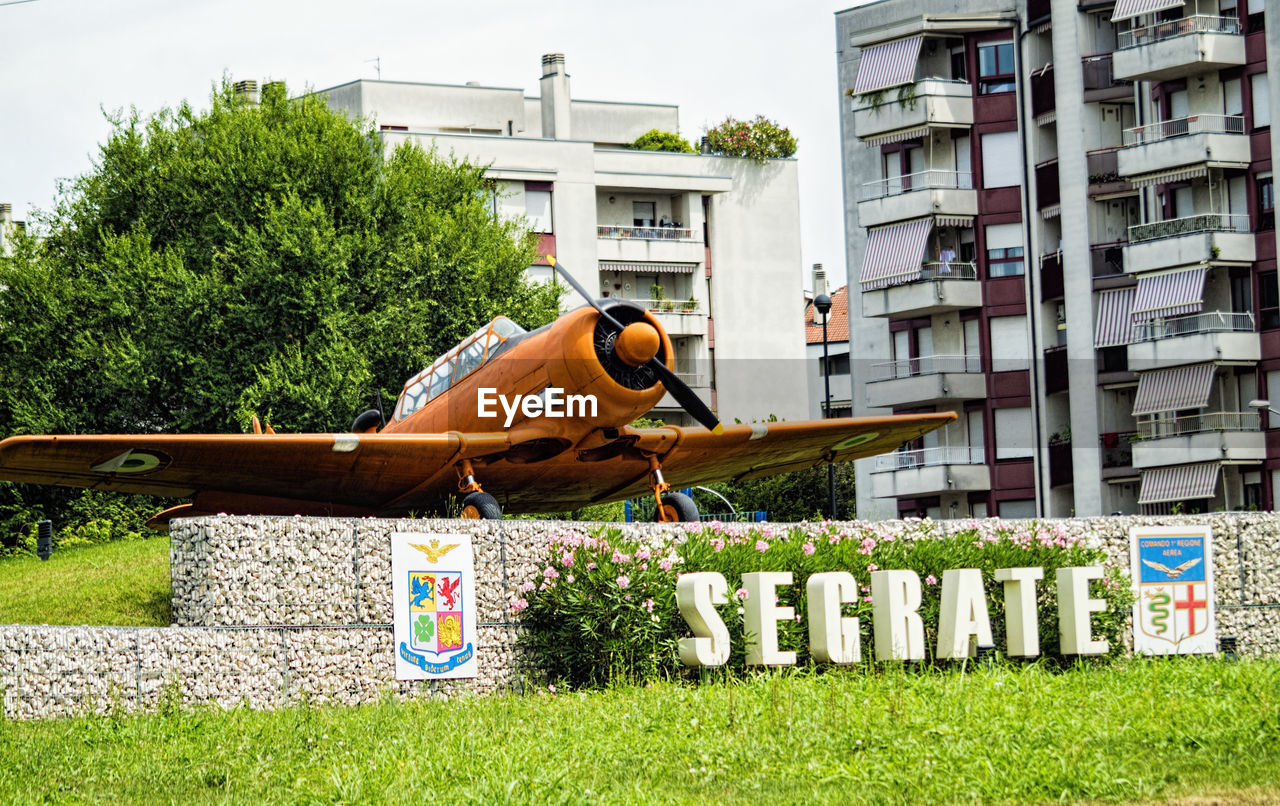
pixel 125 582
pixel 1141 731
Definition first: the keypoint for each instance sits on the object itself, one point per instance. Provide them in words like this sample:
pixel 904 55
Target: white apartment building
pixel 8 227
pixel 836 351
pixel 1060 221
pixel 710 244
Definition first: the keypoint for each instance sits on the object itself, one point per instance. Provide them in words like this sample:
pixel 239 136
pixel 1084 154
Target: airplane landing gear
pixel 477 505
pixel 671 507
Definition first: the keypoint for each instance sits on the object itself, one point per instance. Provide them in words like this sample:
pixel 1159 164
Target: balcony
pixel 1100 82
pixel 649 244
pixel 1232 436
pixel 1217 238
pixel 1195 142
pixel 693 374
pixel 1061 464
pixel 1195 339
pixel 1188 46
pixel 679 317
pixel 1044 96
pixel 940 287
pixel 1117 454
pixel 1047 192
pixel 916 195
pixel 926 380
pixel 930 471
pixel 1103 165
pixel 931 102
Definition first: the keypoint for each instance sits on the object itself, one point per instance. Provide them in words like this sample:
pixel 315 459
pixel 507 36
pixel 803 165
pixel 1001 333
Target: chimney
pixel 554 86
pixel 246 91
pixel 819 279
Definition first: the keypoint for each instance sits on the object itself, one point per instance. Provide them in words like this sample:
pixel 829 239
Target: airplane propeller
pixel 636 347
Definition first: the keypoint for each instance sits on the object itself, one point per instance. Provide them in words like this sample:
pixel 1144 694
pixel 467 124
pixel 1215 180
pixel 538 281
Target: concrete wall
pixel 277 611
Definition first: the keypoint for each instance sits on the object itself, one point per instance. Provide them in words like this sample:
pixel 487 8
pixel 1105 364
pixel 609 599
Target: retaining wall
pixel 273 611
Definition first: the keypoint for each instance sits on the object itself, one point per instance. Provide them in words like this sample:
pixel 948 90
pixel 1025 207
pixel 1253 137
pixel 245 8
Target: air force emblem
pixel 1173 610
pixel 434 592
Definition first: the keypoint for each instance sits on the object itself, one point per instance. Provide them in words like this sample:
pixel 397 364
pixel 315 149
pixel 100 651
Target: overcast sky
pixel 63 61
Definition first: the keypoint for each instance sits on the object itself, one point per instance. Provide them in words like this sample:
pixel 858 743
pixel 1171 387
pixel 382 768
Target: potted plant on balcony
pixel 690 304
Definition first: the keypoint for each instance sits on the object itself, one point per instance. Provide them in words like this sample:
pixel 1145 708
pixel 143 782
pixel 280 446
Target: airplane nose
pixel 637 344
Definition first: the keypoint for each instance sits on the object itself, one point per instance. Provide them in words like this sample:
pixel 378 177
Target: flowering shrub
pixel 760 139
pixel 603 607
pixel 657 140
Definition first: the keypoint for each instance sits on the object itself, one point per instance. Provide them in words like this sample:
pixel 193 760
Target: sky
pixel 64 62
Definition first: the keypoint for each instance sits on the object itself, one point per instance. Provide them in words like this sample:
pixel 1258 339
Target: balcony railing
pixel 925 365
pixel 1181 127
pixel 1098 74
pixel 1195 24
pixel 1117 449
pixel 1199 424
pixel 670 305
pixel 1107 259
pixel 645 233
pixel 929 457
pixel 950 270
pixel 1103 165
pixel 921 180
pixel 1203 222
pixel 1211 322
pixel 909 95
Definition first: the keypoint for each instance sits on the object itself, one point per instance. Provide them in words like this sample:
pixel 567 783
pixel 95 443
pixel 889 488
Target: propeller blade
pixel 686 397
pixel 576 286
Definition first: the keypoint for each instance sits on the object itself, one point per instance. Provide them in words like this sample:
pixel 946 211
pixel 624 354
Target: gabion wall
pixel 277 611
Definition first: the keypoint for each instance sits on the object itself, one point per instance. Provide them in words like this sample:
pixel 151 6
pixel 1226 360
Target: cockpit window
pixel 470 354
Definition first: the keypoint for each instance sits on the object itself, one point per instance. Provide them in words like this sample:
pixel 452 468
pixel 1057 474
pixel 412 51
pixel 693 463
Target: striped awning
pixel 1128 9
pixel 1166 177
pixel 1180 483
pixel 1042 27
pixel 1052 211
pixel 1115 318
pixel 1173 389
pixel 1170 294
pixel 649 268
pixel 896 137
pixel 954 220
pixel 894 254
pixel 888 65
pixel 1047 118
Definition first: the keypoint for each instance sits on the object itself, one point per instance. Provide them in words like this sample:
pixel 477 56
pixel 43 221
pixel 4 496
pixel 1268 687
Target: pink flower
pixel 867 598
pixel 623 581
pixel 808 549
pixel 741 593
pixel 762 546
pixel 619 557
pixel 591 566
pixel 648 604
pixel 526 586
pixel 519 604
pixel 717 544
pixel 550 573
pixel 551 688
pixel 642 554
pixel 567 559
pixel 872 567
pixel 931 580
pixel 665 563
pixel 569 579
pixel 643 566
pixel 868 545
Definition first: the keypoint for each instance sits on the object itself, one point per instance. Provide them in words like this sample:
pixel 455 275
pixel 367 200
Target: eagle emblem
pixel 1174 572
pixel 434 550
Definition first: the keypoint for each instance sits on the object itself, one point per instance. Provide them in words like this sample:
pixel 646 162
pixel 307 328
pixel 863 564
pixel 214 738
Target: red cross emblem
pixel 1190 604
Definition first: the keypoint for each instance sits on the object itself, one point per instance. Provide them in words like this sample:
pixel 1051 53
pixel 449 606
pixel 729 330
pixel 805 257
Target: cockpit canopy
pixel 471 353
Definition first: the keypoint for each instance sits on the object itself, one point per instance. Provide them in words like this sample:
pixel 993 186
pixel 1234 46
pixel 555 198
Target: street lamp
pixel 822 304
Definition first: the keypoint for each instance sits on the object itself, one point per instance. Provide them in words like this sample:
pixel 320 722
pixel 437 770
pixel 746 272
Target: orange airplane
pixel 493 419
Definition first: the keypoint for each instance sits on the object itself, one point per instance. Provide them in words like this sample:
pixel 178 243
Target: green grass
pixel 124 582
pixel 1134 732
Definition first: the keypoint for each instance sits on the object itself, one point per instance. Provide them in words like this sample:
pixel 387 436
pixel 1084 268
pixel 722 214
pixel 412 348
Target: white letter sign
pixel 762 617
pixel 962 614
pixel 833 638
pixel 1075 636
pixel 898 628
pixel 697 596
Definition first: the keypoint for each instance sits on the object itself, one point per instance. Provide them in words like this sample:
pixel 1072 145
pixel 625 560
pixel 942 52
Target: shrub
pixel 658 140
pixel 760 139
pixel 603 608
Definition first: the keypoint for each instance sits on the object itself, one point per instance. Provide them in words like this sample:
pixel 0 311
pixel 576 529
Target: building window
pixel 838 364
pixel 1268 301
pixel 537 208
pixel 642 214
pixel 1004 250
pixel 1257 20
pixel 1010 344
pixel 1022 508
pixel 1266 202
pixel 1001 160
pixel 1261 99
pixel 1014 433
pixel 995 68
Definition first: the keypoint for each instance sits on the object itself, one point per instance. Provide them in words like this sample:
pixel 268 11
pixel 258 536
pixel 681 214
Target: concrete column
pixel 554 86
pixel 1077 279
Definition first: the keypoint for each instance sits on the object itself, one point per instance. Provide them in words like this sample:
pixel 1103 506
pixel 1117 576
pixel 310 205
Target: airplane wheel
pixel 679 507
pixel 481 506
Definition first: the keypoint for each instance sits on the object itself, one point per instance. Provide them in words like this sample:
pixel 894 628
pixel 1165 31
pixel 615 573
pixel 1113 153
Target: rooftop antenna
pixel 376 61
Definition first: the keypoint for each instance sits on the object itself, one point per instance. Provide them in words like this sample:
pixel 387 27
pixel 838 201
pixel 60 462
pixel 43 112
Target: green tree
pixel 247 259
pixel 658 140
pixel 759 139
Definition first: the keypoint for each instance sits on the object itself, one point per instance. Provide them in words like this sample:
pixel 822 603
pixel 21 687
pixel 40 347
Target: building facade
pixel 836 352
pixel 710 244
pixel 1060 226
pixel 8 227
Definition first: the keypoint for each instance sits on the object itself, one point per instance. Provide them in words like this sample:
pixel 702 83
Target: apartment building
pixel 836 351
pixel 1060 222
pixel 710 244
pixel 8 227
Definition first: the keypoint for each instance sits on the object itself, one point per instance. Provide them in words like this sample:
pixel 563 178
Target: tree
pixel 658 140
pixel 248 259
pixel 759 139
